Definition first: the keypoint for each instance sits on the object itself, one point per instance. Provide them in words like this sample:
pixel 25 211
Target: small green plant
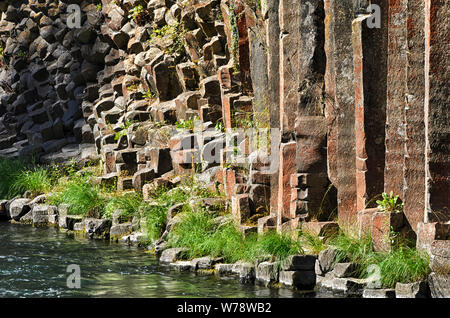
pixel 2 57
pixel 22 54
pixel 124 131
pixel 186 123
pixel 390 203
pixel 149 95
pixel 136 13
pixel 132 88
pixel 175 32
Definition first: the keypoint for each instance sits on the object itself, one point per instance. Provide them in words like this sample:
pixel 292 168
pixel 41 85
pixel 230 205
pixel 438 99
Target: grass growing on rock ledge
pixel 19 176
pixel 202 235
pixel 403 264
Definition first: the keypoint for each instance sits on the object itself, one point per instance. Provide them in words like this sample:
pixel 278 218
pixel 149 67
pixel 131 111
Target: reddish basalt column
pixel 340 55
pixel 414 164
pixel 330 93
pixel 289 15
pixel 370 72
pixel 396 94
pixel 437 112
pixel 273 75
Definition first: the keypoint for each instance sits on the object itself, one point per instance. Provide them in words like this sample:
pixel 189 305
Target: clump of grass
pixel 155 216
pixel 280 246
pixel 82 197
pixel 127 205
pixel 9 169
pixel 198 232
pixel 311 243
pixel 38 181
pixel 403 264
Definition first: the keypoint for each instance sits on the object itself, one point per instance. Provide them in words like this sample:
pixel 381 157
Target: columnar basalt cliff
pixel 302 112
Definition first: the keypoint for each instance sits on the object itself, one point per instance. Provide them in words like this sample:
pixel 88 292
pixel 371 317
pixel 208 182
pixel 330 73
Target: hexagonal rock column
pixel 437 200
pixel 370 73
pixel 341 105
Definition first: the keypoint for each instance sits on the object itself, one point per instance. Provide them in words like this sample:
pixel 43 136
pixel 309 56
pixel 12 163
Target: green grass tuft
pixel 198 232
pixel 127 205
pixel 82 197
pixel 402 264
pixel 9 169
pixel 38 181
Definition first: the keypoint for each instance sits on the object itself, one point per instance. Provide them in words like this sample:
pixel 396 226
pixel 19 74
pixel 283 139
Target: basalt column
pixel 311 128
pixel 341 105
pixel 414 169
pixel 370 67
pixel 396 95
pixel 437 111
pixel 289 18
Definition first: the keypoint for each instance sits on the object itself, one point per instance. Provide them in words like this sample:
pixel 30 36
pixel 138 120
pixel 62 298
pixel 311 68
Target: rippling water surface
pixel 33 263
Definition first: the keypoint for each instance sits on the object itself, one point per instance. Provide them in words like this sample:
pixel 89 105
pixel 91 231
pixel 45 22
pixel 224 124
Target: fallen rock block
pixel 43 214
pixel 439 285
pixel 302 280
pixel 267 272
pixel 171 255
pixel 299 263
pixel 18 208
pixel 97 228
pixel 118 231
pixel 412 290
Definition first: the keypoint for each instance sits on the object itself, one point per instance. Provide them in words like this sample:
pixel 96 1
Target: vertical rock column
pixel 414 169
pixel 338 43
pixel 396 94
pixel 370 72
pixel 289 19
pixel 436 112
pixel 272 26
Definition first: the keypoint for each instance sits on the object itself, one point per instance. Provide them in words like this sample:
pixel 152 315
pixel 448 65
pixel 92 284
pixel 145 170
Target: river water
pixel 34 261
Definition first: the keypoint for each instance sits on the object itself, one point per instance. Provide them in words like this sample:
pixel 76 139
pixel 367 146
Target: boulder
pixel 439 285
pixel 171 255
pixel 302 280
pixel 18 208
pixel 97 228
pixel 412 290
pixel 267 272
pixel 378 293
pixel 44 214
pixel 120 230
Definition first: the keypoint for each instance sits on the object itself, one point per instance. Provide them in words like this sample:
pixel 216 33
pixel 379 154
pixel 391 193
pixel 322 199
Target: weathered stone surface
pixel 18 208
pixel 327 259
pixel 171 255
pixel 303 280
pixel 439 285
pixel 97 228
pixel 345 270
pixel 119 230
pixel 44 214
pixel 412 290
pixel 299 263
pixel 379 293
pixel 267 272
